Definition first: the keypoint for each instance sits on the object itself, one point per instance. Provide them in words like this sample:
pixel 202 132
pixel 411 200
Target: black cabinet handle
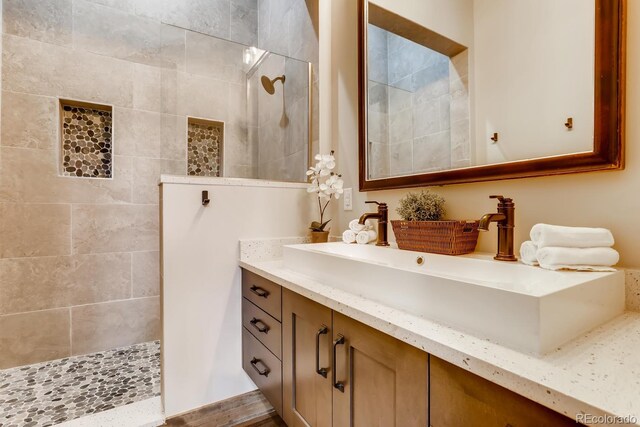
pixel 259 291
pixel 320 371
pixel 264 328
pixel 337 384
pixel 265 372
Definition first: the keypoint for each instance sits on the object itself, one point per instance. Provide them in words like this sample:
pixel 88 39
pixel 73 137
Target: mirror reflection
pixel 520 89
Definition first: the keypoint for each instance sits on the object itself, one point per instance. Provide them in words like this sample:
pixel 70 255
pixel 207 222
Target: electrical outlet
pixel 347 199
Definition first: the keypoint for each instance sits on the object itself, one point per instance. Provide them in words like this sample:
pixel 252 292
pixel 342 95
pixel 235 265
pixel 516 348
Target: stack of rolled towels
pixel 555 247
pixel 359 233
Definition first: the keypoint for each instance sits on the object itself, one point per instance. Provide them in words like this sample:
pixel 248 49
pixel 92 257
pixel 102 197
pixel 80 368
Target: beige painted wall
pixel 607 199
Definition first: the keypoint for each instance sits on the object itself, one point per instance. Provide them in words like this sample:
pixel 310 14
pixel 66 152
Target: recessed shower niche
pixel 86 134
pixel 205 141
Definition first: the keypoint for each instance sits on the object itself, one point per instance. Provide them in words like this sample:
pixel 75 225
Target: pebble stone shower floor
pixel 49 393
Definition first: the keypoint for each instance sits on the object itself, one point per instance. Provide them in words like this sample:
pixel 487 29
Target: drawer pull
pixel 337 384
pixel 263 293
pixel 265 372
pixel 264 328
pixel 320 371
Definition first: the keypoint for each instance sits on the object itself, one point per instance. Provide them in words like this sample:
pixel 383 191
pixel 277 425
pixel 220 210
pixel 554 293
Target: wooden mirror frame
pixel 609 110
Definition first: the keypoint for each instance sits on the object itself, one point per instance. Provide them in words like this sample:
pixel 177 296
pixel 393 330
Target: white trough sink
pixel 526 308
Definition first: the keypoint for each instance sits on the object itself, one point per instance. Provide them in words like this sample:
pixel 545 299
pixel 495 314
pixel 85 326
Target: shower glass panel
pixel 261 99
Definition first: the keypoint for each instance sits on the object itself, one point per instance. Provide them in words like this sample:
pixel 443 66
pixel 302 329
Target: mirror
pixel 488 89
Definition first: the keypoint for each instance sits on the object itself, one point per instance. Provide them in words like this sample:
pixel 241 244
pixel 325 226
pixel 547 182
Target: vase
pixel 319 236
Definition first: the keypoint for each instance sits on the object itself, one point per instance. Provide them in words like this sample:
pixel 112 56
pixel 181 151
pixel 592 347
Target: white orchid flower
pixel 325 183
pixel 313 188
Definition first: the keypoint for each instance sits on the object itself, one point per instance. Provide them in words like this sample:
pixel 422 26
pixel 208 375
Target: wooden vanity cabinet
pixel 379 381
pixel 261 335
pixel 306 337
pixel 385 381
pixel 460 398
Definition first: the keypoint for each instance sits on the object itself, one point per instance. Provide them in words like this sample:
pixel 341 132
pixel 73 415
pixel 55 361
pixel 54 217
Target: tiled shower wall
pixel 79 256
pixel 289 28
pixel 279 126
pixel 418 107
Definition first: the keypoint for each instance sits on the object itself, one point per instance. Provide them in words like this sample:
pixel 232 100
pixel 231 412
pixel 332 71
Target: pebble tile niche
pixel 204 147
pixel 87 140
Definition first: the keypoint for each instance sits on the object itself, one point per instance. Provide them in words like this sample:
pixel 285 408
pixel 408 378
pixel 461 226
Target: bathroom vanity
pixel 319 367
pixel 351 346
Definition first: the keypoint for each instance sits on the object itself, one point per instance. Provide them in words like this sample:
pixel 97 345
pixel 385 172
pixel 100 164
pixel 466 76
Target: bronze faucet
pixel 505 218
pixel 382 216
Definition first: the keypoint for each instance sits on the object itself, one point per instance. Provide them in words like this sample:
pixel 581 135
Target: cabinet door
pixel 306 342
pixel 460 398
pixel 381 381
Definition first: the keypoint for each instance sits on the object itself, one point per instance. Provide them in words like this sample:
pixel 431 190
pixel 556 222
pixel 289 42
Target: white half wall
pixel 201 286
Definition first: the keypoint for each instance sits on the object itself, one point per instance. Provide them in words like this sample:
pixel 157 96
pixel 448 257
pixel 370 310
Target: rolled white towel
pixel 349 236
pixel 367 236
pixel 354 225
pixel 586 259
pixel 528 251
pixel 544 235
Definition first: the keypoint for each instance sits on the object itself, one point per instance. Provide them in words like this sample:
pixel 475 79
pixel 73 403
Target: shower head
pixel 267 83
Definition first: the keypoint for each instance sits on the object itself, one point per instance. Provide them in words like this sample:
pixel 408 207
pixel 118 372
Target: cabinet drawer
pixel 264 369
pixel 460 398
pixel 262 326
pixel 263 293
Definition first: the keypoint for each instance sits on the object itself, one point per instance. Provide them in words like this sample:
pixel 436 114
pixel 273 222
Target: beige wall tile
pixel 115 33
pixel 33 337
pixel 432 152
pixel 146 274
pixel 114 324
pixel 28 284
pixel 460 99
pixel 203 97
pixel 213 57
pixel 46 20
pixel 29 121
pixel 204 16
pixel 378 160
pixel 146 87
pixel 46 186
pixel 115 228
pixel 303 27
pixel 400 158
pixel 174 137
pixel 29 230
pixel 244 22
pixel 136 133
pixel 172 48
pixel 146 177
pixel 169 91
pixel 43 69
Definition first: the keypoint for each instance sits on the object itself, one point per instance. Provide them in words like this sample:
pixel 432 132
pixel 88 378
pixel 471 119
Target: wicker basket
pixel 438 237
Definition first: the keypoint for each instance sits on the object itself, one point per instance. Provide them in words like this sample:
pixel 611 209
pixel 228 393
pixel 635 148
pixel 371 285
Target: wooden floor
pixel 248 410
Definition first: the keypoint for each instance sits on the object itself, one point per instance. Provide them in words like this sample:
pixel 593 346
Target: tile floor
pixel 50 393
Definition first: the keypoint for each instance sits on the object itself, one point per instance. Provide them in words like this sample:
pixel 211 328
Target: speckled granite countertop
pixel 597 374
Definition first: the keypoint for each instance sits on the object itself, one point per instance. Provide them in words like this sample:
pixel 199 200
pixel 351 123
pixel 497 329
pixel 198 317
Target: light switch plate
pixel 347 199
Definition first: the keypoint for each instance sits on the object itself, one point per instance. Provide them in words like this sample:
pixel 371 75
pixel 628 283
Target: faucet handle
pixel 381 205
pixel 501 198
